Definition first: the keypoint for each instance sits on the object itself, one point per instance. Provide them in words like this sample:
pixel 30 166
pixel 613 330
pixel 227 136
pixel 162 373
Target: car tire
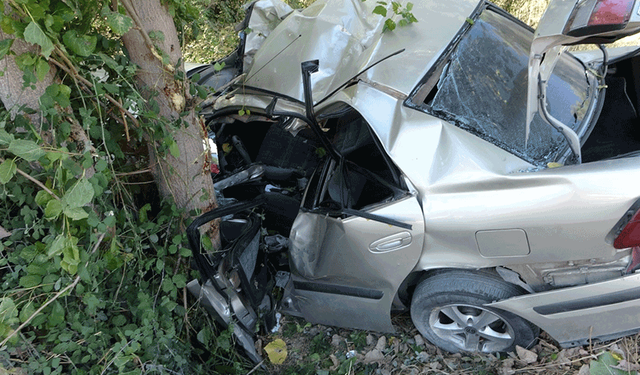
pixel 449 310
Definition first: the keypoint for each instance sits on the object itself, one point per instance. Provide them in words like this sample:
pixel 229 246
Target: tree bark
pixel 12 93
pixel 186 179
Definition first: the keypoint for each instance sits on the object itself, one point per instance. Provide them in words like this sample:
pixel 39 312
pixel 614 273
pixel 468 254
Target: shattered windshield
pixel 483 89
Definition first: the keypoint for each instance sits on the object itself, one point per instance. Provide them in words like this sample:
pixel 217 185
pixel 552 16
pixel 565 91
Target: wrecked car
pixel 465 168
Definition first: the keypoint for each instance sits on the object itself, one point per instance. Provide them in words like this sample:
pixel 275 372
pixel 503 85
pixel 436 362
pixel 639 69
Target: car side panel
pixel 346 272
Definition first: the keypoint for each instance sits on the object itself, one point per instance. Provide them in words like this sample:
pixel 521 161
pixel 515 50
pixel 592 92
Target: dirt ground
pixel 320 350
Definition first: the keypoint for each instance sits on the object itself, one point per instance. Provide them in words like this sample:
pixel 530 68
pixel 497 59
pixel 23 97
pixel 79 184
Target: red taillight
pixel 630 234
pixel 599 16
pixel 611 12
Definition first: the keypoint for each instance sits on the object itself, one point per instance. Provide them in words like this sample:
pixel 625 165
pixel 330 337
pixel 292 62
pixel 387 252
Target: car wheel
pixel 449 310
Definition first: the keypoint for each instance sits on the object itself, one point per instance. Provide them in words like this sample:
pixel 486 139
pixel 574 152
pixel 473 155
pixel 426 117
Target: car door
pixel 358 235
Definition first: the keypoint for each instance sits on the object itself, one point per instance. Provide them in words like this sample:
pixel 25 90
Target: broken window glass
pixel 483 89
pixel 363 177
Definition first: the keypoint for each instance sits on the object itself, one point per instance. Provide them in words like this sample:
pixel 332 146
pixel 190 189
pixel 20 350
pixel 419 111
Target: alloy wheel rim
pixel 471 328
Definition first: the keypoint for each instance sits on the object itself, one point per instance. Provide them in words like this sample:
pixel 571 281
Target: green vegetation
pixel 93 263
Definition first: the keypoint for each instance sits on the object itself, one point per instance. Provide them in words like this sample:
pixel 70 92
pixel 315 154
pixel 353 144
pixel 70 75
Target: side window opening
pixel 365 176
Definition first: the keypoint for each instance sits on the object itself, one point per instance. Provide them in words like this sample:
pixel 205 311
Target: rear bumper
pixel 583 314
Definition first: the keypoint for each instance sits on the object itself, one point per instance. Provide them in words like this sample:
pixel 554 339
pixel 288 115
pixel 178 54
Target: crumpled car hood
pixel 347 37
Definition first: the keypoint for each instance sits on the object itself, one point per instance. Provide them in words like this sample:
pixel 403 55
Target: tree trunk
pixel 185 178
pixel 12 93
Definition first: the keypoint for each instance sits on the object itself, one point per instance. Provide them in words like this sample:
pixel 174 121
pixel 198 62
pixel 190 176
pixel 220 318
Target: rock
pixel 385 372
pixel 584 370
pixel 373 356
pixel 422 357
pixel 336 340
pixel 408 370
pixel 396 345
pixel 370 340
pixel 526 356
pixel 335 362
pixel 435 365
pixel 565 355
pixel 382 343
pixel 507 366
pixel 419 340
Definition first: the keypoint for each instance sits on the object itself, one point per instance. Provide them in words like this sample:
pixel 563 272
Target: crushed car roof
pixel 347 37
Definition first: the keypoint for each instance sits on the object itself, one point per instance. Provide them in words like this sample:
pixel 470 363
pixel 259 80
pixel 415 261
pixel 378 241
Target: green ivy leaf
pixel 5 138
pixel 80 194
pixel 25 60
pixel 603 366
pixel 180 280
pixel 185 252
pixel 389 24
pixel 8 311
pixel 26 311
pixel 53 23
pixel 30 281
pixel 380 10
pixel 34 34
pixel 218 66
pixel 7 171
pixel 56 316
pixel 156 35
pixel 36 10
pixel 81 45
pixel 174 150
pixel 119 23
pixel 5 47
pixel 57 246
pixel 26 149
pixel 52 209
pixel 36 269
pixel 75 213
pixel 71 256
pixel 42 68
pixel 42 198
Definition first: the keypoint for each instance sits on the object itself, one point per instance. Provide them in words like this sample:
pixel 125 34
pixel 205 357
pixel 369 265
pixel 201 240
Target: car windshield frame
pixel 479 84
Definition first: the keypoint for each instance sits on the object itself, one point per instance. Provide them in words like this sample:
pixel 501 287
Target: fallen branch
pixel 70 286
pixel 40 184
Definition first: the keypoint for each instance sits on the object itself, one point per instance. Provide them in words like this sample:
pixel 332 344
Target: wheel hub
pixel 472 328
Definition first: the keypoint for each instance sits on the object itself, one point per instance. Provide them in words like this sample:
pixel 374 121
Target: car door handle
pixel 391 243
